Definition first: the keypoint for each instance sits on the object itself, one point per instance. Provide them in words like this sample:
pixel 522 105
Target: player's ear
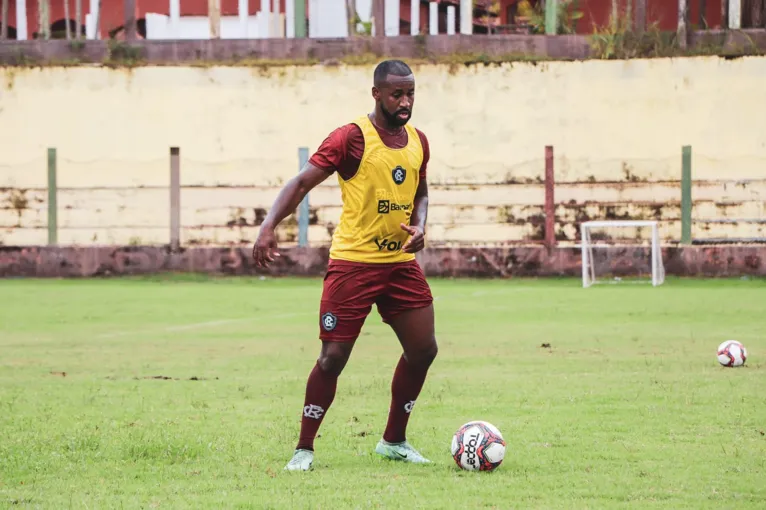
pixel 376 93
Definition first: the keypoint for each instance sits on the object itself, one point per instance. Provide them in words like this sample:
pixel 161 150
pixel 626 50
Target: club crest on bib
pixel 399 174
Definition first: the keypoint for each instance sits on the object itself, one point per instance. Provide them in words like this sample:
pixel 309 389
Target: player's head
pixel 394 91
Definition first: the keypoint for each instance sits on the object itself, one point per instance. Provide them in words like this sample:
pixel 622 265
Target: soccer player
pixel 381 165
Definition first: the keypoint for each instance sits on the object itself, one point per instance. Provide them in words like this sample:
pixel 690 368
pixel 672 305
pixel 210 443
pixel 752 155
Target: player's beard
pixel 393 118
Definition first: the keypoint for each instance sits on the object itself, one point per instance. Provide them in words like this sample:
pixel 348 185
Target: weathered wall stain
pixel 17 202
pixel 239 132
pixel 495 214
pixel 718 261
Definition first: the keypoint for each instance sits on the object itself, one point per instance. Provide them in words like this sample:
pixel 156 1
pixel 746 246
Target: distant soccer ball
pixel 732 354
pixel 478 446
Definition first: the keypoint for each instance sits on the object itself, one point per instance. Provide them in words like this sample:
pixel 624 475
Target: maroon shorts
pixel 350 289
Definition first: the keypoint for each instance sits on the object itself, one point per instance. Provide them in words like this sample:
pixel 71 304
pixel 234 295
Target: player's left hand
pixel 416 242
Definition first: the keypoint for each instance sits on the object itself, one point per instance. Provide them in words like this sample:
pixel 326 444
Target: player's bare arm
pixel 286 202
pixel 417 226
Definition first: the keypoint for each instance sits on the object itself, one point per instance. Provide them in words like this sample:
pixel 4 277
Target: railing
pixel 713 223
pixel 318 19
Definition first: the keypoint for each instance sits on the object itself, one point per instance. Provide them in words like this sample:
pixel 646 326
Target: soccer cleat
pixel 302 461
pixel 400 451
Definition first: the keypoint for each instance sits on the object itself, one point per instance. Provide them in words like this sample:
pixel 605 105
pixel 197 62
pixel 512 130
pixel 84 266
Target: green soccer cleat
pixel 302 460
pixel 400 451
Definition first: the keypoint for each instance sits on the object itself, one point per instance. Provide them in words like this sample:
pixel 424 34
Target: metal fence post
pixel 52 198
pixel 550 205
pixel 686 195
pixel 175 198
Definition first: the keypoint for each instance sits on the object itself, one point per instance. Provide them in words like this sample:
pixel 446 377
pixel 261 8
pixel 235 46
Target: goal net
pixel 621 252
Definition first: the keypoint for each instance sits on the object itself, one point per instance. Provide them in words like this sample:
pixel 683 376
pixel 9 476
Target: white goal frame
pixel 588 269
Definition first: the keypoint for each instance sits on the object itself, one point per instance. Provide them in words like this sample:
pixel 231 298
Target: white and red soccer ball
pixel 732 354
pixel 478 446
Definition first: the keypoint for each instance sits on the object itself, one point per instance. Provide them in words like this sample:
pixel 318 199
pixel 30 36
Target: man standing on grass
pixel 381 166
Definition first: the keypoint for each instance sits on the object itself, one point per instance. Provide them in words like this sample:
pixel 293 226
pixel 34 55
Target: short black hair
pixel 387 67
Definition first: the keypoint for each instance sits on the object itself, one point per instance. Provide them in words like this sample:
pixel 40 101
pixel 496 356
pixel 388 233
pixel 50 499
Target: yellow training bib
pixel 378 199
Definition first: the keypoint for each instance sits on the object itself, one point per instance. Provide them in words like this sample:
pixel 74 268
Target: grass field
pixel 627 409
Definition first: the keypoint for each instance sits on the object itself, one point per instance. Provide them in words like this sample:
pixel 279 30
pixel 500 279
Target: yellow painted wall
pixel 617 127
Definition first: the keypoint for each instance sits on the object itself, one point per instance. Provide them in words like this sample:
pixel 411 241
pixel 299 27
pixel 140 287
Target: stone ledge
pixel 463 49
pixel 520 261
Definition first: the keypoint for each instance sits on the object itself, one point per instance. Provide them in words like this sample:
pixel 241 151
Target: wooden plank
pixel 113 174
pixel 668 231
pixel 460 195
pixel 150 206
pixel 24 218
pixel 213 236
pixel 23 173
pixel 514 214
pixel 660 192
pixel 454 166
pixel 323 196
pixel 452 215
pixel 437 215
pixel 123 236
pixel 320 235
pixel 134 217
pixel 704 210
pixel 478 234
pixel 496 234
pixel 138 215
pixel 702 230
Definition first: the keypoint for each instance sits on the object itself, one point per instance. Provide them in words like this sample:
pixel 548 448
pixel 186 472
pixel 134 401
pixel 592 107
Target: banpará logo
pixel 385 207
pixel 399 174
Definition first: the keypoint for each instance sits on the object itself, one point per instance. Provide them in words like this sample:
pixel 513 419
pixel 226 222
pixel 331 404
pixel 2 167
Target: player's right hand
pixel 265 247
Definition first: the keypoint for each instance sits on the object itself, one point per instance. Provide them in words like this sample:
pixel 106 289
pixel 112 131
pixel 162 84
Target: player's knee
pixel 423 357
pixel 333 359
pixel 431 352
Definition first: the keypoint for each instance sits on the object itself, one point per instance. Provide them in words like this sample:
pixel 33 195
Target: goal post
pixel 608 261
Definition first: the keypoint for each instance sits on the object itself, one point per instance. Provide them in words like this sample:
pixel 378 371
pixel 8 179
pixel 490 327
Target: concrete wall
pixel 506 262
pixel 617 128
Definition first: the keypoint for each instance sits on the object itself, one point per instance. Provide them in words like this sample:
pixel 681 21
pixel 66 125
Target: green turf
pixel 628 408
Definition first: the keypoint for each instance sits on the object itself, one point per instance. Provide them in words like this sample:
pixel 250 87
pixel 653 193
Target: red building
pixel 595 12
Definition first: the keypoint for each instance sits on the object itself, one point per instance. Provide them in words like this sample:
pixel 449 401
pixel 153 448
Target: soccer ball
pixel 478 445
pixel 732 354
